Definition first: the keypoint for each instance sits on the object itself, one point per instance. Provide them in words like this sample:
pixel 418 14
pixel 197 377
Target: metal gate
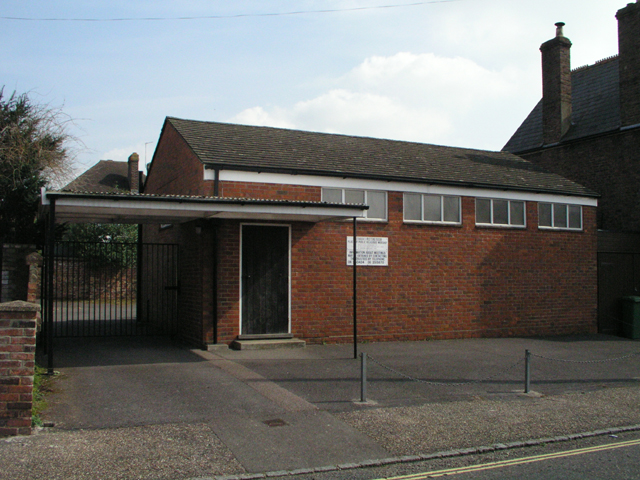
pixel 618 277
pixel 113 289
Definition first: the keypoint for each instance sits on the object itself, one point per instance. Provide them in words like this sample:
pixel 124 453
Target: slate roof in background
pixel 268 149
pixel 595 92
pixel 106 176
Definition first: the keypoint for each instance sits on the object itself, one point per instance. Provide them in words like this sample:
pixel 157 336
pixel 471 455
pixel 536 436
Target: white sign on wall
pixel 371 251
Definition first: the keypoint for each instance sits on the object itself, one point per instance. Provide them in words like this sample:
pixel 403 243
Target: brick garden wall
pixel 75 279
pixel 17 366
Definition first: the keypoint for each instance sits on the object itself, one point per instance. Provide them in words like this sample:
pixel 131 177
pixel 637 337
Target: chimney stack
pixel 629 63
pixel 556 86
pixel 134 182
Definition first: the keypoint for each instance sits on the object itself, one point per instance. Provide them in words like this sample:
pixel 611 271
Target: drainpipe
pixel 1 264
pixel 355 289
pixel 216 182
pixel 139 276
pixel 214 273
pixel 50 263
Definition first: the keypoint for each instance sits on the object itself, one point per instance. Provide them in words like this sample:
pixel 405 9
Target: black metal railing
pixel 114 289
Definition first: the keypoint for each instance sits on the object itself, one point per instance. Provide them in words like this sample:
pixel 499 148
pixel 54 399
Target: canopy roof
pixel 91 207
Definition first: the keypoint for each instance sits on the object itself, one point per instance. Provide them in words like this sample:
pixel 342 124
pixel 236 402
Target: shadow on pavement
pixel 113 351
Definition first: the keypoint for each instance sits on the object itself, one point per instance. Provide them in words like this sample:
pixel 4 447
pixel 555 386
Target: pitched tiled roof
pixel 267 149
pixel 106 176
pixel 595 93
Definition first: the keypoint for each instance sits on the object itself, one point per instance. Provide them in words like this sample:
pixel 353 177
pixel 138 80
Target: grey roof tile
pixel 595 107
pixel 231 146
pixel 104 177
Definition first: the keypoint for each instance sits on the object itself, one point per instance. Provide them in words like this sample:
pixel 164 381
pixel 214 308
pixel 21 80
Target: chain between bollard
pixel 526 361
pixel 585 361
pixel 445 384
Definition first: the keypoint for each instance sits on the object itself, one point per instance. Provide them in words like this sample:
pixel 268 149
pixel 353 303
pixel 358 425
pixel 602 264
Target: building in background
pixel 586 128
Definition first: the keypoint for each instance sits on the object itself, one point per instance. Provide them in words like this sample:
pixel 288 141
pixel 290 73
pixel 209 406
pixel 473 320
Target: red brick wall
pixel 175 169
pixel 270 191
pixel 228 281
pixel 17 366
pixel 441 282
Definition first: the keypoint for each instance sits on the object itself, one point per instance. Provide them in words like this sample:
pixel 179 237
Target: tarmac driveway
pixel 129 382
pixel 123 382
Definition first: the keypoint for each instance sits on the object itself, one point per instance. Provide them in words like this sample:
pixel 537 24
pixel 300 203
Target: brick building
pixel 109 176
pixel 454 243
pixel 586 128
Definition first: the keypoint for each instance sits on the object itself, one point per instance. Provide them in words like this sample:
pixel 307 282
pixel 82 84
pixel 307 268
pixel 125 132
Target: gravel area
pixel 443 426
pixel 148 452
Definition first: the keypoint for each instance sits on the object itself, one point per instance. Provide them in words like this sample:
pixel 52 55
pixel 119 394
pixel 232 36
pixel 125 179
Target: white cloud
pixel 259 116
pixel 406 96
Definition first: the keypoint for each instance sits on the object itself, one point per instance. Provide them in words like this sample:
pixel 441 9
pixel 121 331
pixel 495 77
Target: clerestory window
pixel 500 212
pixel 375 199
pixel 428 208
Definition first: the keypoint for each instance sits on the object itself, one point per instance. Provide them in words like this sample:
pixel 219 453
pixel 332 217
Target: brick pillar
pixel 17 366
pixel 34 262
pixel 14 272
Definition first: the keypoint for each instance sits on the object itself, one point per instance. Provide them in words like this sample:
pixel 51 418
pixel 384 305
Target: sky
pixel 461 73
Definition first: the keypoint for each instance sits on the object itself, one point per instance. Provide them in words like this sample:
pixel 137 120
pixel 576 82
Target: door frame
pixel 281 225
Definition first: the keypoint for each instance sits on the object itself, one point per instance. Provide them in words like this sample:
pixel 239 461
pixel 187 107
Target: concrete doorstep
pixel 270 344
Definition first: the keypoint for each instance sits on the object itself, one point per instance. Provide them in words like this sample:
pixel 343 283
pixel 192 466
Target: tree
pixel 34 152
pixel 103 244
pixel 101 233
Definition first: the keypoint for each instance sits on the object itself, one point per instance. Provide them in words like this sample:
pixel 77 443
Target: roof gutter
pixel 292 171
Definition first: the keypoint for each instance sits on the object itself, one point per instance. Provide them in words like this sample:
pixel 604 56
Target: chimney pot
pixel 629 63
pixel 556 87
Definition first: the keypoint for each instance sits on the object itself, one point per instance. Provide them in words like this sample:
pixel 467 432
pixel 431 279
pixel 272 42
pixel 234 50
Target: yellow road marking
pixel 515 461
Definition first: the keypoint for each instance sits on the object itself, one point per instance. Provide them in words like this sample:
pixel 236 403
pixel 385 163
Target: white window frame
pixel 432 222
pixel 502 225
pixel 553 213
pixel 366 192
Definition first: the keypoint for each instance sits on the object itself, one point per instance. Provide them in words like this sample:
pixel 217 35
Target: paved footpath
pixel 142 409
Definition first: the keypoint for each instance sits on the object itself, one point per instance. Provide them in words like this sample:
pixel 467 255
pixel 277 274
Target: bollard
pixel 527 371
pixel 363 377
